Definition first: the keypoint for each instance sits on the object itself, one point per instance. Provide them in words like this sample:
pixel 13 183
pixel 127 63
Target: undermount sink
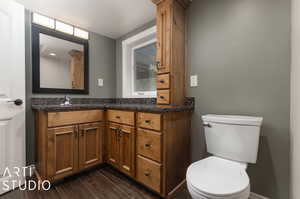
pixel 64 105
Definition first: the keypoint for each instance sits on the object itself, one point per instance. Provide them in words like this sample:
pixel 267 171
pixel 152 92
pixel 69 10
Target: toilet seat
pixel 216 177
pixel 200 195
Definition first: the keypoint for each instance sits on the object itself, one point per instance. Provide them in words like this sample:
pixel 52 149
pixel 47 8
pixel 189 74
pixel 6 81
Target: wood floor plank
pixel 100 183
pixel 123 182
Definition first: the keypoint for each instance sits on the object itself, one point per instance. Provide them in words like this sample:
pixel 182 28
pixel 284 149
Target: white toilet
pixel 233 142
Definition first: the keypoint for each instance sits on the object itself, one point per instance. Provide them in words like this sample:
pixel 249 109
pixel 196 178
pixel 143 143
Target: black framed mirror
pixel 60 62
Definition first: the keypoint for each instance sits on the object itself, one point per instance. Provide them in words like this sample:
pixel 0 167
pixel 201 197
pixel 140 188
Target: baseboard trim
pixel 6 183
pixel 30 170
pixel 257 196
pixel 179 187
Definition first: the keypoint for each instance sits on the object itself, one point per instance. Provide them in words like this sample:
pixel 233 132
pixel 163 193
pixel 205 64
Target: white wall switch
pixel 100 82
pixel 194 80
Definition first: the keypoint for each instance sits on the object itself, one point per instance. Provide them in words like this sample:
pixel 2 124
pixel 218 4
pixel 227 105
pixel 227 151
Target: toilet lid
pixel 218 177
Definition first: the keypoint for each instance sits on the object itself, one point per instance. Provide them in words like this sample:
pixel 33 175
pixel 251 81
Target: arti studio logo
pixel 11 174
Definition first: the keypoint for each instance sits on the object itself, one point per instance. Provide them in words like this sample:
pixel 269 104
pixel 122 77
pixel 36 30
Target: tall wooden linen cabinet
pixel 170 60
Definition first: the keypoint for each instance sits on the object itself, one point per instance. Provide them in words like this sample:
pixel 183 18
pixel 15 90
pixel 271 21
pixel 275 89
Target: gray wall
pixel 102 53
pixel 240 50
pixel 119 54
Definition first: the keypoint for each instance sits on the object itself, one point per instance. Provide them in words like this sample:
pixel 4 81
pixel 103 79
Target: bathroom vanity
pixel 147 142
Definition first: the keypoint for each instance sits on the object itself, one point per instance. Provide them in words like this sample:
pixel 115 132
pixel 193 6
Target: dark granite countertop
pixel 134 105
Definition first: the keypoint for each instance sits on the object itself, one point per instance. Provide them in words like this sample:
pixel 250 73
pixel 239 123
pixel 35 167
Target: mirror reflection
pixel 61 63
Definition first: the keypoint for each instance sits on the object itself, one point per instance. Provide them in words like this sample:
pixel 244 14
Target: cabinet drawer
pixel 149 121
pixel 163 96
pixel 163 81
pixel 149 144
pixel 123 117
pixel 149 173
pixel 74 117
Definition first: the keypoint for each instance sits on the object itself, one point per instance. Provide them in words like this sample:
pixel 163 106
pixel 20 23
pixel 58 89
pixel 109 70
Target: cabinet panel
pixel 163 81
pixel 122 117
pixel 149 173
pixel 74 117
pixel 163 43
pixel 149 121
pixel 149 144
pixel 90 144
pixel 163 96
pixel 62 152
pixel 113 146
pixel 127 150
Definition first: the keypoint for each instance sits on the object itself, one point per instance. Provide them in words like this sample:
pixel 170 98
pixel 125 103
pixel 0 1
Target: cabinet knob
pixel 147 173
pixel 147 121
pixel 148 145
pixel 118 117
pixel 162 81
pixel 161 97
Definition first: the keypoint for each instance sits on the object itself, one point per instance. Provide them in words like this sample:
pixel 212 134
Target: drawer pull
pixel 148 145
pixel 161 97
pixel 147 121
pixel 162 81
pixel 118 117
pixel 147 173
pixel 158 65
pixel 120 133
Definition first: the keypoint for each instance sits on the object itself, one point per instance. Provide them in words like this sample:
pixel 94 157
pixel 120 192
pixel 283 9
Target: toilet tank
pixel 233 137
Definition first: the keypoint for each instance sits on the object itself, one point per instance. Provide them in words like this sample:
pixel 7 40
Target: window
pixel 139 71
pixel 144 81
pixel 59 26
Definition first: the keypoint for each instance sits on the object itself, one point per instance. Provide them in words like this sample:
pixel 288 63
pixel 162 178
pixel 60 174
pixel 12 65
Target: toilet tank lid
pixel 233 119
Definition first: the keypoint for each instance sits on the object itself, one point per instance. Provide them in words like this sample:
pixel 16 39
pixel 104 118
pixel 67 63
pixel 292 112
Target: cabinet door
pixel 113 146
pixel 90 144
pixel 127 150
pixel 62 157
pixel 163 43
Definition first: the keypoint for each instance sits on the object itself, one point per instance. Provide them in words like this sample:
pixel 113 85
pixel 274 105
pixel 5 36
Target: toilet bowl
pixel 233 142
pixel 217 178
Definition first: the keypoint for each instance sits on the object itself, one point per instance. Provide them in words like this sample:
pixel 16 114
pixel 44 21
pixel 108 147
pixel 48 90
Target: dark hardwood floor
pixel 101 183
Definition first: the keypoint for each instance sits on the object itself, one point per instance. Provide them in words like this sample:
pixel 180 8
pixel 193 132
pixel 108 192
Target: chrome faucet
pixel 67 101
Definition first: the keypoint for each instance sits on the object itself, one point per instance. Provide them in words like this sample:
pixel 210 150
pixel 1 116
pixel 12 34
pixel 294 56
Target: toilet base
pixel 198 195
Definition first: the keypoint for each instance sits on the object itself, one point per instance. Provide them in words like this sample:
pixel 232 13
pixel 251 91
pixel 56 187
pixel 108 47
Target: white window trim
pixel 128 69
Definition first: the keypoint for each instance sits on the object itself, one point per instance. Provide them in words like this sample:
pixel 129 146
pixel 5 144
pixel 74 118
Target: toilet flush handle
pixel 207 125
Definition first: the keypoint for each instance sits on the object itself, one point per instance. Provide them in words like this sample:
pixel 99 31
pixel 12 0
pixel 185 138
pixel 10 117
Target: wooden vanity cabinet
pixel 90 144
pixel 163 150
pixel 62 155
pixel 127 150
pixel 113 145
pixel 67 143
pixel 151 148
pixel 121 147
pixel 120 139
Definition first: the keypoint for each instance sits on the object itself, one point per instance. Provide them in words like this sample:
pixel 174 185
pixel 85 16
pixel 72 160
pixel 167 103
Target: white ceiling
pixel 112 18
